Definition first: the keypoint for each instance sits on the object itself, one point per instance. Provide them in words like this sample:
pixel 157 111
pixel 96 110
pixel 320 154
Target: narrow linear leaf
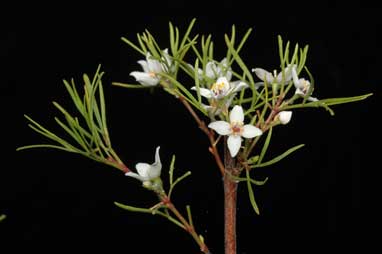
pixel 149 211
pixel 265 146
pixel 171 171
pixel 73 134
pixel 189 215
pixel 44 146
pixel 133 45
pixel 253 181
pixel 178 180
pixel 186 35
pixel 136 86
pixel 278 158
pixel 328 102
pixel 251 194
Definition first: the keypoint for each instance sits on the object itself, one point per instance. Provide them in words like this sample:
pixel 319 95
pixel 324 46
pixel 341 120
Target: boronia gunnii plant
pixel 236 107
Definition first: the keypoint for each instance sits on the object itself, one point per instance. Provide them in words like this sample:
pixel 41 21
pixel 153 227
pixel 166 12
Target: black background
pixel 57 201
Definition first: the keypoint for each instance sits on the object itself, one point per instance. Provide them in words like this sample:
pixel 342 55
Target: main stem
pixel 230 200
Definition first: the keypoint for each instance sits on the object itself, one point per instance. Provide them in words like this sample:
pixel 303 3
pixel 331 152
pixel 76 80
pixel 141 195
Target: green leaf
pixel 241 63
pixel 135 86
pixel 133 45
pixel 189 215
pixel 251 194
pixel 278 158
pixel 265 146
pixel 328 102
pixel 254 159
pixel 178 180
pixel 171 171
pixel 253 181
pixel 186 35
pixel 196 78
pixel 174 48
pixel 149 211
pixel 45 146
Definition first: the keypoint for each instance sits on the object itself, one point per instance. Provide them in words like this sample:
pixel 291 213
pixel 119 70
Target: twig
pixel 187 227
pixel 209 133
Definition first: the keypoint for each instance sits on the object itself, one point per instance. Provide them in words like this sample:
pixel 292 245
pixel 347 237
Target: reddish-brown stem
pixel 209 133
pixel 187 226
pixel 120 165
pixel 230 200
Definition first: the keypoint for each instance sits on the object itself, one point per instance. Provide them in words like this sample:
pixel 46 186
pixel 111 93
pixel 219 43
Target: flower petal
pixel 250 131
pixel 236 115
pixel 143 63
pixel 153 64
pixel 144 78
pixel 296 81
pixel 200 71
pixel 285 116
pixel 221 127
pixel 223 70
pixel 157 157
pixel 211 70
pixel 312 99
pixel 264 75
pixel 203 92
pixel 136 176
pixel 143 169
pixel 299 91
pixel 234 143
pixel 238 86
pixel 288 74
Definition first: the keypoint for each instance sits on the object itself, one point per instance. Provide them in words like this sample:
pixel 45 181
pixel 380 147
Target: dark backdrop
pixel 57 201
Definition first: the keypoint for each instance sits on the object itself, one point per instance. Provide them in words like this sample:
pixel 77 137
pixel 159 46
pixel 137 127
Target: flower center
pixel 218 88
pixel 305 86
pixel 237 128
pixel 152 74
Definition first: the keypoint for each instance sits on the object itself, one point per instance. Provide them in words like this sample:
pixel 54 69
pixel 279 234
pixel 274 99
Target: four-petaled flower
pixel 221 88
pixel 235 129
pixel 151 67
pixel 302 85
pixel 275 78
pixel 148 172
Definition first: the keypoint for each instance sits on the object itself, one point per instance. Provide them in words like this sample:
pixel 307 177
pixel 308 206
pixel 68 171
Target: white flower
pixel 273 78
pixel 151 67
pixel 235 129
pixel 147 172
pixel 221 88
pixel 167 60
pixel 214 71
pixel 284 116
pixel 302 85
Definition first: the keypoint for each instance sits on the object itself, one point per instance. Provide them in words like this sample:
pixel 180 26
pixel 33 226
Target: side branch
pixel 187 226
pixel 209 133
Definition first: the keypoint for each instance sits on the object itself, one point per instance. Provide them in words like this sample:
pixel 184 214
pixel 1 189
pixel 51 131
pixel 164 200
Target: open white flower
pixel 302 85
pixel 284 116
pixel 221 88
pixel 275 78
pixel 147 172
pixel 151 67
pixel 235 129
